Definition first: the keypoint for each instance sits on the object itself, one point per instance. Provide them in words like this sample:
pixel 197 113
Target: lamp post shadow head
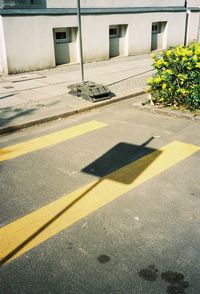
pixel 123 163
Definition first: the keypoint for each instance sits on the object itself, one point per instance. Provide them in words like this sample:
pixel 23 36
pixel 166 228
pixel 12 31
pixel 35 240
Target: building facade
pixel 38 34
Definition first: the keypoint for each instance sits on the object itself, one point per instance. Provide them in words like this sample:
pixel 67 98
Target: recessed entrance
pixel 65 44
pixel 159 35
pixel 117 40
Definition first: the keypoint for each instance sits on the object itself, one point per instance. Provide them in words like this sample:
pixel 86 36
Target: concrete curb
pixel 27 124
pixel 166 112
pixel 138 106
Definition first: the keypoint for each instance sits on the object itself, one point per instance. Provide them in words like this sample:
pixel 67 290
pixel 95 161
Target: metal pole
pixel 186 23
pixel 80 40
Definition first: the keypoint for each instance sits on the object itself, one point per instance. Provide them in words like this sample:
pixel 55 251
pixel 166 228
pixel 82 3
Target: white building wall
pixel 115 3
pixel 30 43
pixel 193 26
pixel 193 3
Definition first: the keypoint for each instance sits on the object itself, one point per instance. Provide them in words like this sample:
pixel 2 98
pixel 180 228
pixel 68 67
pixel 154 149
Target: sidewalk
pixel 35 97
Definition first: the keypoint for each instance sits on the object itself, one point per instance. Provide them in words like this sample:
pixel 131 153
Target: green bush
pixel 176 81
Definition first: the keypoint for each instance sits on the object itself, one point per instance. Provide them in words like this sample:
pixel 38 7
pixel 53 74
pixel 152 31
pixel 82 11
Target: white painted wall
pixel 115 3
pixel 96 32
pixel 194 19
pixel 30 43
pixel 29 40
pixel 193 3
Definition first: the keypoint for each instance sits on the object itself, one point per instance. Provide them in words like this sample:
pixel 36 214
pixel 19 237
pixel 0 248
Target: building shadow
pixel 123 163
pixel 8 114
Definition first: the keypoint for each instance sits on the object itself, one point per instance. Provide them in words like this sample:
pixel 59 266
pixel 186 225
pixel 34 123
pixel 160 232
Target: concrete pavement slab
pixel 11 100
pixel 25 85
pixel 23 77
pixel 69 77
pixel 33 95
pixel 54 90
pixel 6 88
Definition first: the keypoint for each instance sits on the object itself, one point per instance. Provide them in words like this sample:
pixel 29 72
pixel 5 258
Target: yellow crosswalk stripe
pixel 27 232
pixel 48 140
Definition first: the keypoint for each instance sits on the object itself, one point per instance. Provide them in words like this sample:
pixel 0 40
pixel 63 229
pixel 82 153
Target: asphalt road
pixel 139 231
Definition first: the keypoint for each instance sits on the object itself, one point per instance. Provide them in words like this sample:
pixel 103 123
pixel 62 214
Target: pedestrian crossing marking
pixel 20 149
pixel 31 230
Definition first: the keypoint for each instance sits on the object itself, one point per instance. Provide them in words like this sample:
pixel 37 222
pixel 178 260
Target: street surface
pixel 103 202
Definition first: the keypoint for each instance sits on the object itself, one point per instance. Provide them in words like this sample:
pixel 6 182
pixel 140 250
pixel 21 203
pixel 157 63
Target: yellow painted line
pixel 48 140
pixel 36 227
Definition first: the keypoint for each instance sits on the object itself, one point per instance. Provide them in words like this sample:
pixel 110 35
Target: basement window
pixel 63 35
pixel 114 31
pixel 156 27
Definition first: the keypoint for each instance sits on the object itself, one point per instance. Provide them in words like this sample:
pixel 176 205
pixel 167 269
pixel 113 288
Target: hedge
pixel 176 81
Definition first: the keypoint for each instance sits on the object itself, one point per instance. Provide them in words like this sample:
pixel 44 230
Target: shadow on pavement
pixel 117 164
pixel 8 114
pixel 128 78
pixel 119 156
pixel 7 96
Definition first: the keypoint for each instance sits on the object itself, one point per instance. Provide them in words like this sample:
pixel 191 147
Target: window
pixel 63 35
pixel 156 27
pixel 114 31
pixel 24 3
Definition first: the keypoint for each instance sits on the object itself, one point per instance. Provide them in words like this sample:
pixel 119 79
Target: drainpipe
pixel 198 37
pixel 186 23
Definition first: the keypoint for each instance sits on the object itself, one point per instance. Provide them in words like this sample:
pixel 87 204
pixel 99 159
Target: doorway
pixel 65 44
pixel 117 40
pixel 158 35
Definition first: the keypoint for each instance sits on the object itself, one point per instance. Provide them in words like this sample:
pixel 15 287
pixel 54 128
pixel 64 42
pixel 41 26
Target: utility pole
pixel 80 40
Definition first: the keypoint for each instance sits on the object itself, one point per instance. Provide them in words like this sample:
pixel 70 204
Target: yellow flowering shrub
pixel 176 81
